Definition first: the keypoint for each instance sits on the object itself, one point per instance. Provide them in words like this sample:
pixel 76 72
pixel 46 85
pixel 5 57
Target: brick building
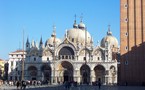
pixel 132 36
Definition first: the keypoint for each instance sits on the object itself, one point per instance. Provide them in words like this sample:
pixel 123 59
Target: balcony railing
pixel 72 57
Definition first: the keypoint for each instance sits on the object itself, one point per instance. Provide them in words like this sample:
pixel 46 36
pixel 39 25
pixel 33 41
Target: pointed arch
pixel 83 51
pixel 98 53
pixel 97 49
pixel 33 51
pixel 47 52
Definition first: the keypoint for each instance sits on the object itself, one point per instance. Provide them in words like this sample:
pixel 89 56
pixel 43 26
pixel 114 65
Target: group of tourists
pixel 21 85
pixel 68 84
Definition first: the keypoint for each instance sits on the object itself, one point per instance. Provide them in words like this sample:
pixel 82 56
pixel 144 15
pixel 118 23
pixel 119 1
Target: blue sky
pixel 37 18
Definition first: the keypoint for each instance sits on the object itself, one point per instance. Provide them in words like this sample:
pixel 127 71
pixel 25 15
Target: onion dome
pixel 75 25
pixel 81 25
pixel 53 40
pixel 50 42
pixel 77 35
pixel 112 41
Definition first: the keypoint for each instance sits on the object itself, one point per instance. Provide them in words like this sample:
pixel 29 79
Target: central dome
pixel 77 35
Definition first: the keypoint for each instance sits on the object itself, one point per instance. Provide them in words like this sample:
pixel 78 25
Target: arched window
pixel 66 53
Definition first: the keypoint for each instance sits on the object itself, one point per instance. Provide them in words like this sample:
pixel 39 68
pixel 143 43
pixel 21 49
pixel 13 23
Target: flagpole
pixel 54 32
pixel 22 78
pixel 85 45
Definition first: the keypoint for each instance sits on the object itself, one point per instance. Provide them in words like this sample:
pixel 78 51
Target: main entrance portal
pixel 66 76
pixel 65 71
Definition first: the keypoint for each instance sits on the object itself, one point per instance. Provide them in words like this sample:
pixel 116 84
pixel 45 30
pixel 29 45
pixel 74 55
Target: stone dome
pixel 50 41
pixel 110 39
pixel 75 24
pixel 81 25
pixel 77 35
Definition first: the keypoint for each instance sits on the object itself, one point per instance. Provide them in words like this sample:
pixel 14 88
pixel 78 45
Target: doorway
pixel 85 73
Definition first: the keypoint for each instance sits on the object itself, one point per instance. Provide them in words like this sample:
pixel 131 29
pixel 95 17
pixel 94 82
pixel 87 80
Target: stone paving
pixel 82 87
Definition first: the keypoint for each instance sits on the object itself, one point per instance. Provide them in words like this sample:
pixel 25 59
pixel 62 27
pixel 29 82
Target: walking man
pixel 99 84
pixel 18 84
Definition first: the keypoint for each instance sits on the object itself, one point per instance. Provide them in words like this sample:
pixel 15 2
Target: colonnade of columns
pixel 105 79
pixel 57 76
pixel 77 77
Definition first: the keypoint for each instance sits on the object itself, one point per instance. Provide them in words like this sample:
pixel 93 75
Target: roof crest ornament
pixel 81 17
pixel 75 18
pixel 75 24
pixel 54 31
pixel 109 31
pixel 66 33
pixel 109 27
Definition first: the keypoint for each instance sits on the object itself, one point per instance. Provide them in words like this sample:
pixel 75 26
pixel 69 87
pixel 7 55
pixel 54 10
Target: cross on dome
pixel 109 31
pixel 81 17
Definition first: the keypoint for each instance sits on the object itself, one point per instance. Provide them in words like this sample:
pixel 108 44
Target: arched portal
pixel 85 73
pixel 46 73
pixel 100 73
pixel 32 71
pixel 113 74
pixel 66 53
pixel 65 71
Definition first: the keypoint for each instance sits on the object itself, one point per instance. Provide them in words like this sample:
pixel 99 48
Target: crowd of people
pixel 68 84
pixel 23 84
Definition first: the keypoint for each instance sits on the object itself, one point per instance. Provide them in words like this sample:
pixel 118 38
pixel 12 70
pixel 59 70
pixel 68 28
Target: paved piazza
pixel 82 87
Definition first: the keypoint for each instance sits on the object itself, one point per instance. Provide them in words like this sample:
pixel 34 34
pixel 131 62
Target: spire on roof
pixel 27 41
pixel 54 31
pixel 33 44
pixel 75 24
pixel 109 31
pixel 41 42
pixel 81 17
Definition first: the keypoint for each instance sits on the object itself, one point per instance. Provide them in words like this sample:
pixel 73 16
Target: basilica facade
pixel 74 58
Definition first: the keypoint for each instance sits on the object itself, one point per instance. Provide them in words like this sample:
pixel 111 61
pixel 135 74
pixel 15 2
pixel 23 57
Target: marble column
pixel 93 76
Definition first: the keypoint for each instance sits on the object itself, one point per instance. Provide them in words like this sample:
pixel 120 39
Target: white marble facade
pixel 74 58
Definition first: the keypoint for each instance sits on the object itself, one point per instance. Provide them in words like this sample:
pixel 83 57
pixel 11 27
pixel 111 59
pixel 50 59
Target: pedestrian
pixel 24 85
pixel 66 85
pixel 99 84
pixel 18 84
pixel 69 85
